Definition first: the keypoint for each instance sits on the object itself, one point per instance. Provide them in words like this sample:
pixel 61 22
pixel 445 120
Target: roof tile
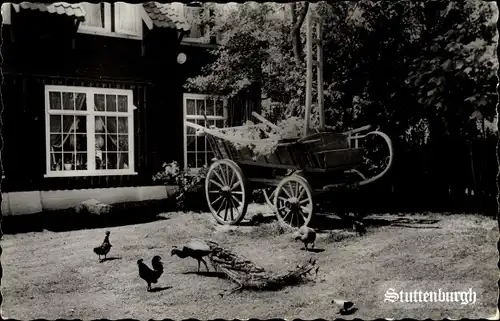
pixel 163 16
pixel 70 9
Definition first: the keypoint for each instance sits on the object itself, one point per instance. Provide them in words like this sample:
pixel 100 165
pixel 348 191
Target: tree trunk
pixel 298 18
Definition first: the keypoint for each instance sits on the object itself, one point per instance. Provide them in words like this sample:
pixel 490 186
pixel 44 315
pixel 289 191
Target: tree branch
pixel 297 21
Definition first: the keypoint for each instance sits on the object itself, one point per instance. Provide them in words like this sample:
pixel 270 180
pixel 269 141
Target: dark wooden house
pixel 93 101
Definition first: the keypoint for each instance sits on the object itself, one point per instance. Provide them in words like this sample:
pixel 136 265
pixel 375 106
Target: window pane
pixel 68 101
pixel 219 123
pixel 190 130
pixel 123 143
pixel 219 108
pixel 68 160
pixel 122 124
pixel 111 127
pixel 99 160
pixel 55 142
pixel 122 103
pixel 111 142
pixel 200 107
pixel 190 107
pixel 55 123
pixel 81 161
pixel 210 107
pixel 191 160
pixel 110 103
pixel 112 160
pixel 68 142
pixel 100 142
pixel 56 161
pixel 100 124
pixel 200 159
pixel 81 101
pixel 55 100
pixel 81 142
pixel 200 145
pixel 99 102
pixel 123 160
pixel 81 124
pixel 68 121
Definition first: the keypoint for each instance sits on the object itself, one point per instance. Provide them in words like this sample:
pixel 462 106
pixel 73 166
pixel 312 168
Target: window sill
pixel 90 173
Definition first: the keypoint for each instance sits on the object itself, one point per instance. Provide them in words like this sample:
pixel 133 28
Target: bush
pixel 190 194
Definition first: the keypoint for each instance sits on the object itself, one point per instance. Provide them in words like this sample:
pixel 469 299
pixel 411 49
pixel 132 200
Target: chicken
pixel 307 235
pixel 196 249
pixel 359 227
pixel 104 248
pixel 346 307
pixel 148 275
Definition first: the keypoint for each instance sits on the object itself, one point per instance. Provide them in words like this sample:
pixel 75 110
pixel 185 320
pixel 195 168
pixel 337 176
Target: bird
pixel 196 249
pixel 307 235
pixel 346 307
pixel 104 248
pixel 148 275
pixel 359 227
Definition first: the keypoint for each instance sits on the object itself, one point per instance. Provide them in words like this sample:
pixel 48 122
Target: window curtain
pixel 57 141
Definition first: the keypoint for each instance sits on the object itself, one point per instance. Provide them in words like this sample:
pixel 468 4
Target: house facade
pixel 93 101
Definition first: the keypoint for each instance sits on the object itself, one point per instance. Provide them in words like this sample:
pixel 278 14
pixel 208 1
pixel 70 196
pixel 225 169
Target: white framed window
pixel 89 131
pixel 197 32
pixel 117 19
pixel 197 151
pixel 97 18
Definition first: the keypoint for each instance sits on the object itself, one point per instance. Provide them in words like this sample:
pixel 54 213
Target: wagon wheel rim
pixel 226 192
pixel 269 196
pixel 293 201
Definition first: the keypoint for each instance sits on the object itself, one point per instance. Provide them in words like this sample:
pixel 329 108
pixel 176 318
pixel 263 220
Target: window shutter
pixel 6 7
pixel 127 19
pixel 94 17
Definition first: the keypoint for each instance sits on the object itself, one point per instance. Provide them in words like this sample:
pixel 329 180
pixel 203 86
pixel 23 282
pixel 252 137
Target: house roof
pixel 164 16
pixel 70 9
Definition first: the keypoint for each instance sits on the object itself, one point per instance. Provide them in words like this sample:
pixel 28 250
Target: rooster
pixel 104 248
pixel 307 235
pixel 148 275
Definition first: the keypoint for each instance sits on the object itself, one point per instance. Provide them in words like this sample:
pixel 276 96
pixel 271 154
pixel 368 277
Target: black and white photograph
pixel 249 160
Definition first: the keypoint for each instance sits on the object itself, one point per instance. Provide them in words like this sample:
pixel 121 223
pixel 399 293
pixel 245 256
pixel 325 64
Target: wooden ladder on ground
pixel 314 20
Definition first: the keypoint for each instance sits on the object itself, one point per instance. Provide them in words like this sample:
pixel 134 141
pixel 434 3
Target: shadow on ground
pixel 330 222
pixel 68 220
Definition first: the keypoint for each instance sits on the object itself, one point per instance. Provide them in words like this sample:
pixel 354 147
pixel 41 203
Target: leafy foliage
pixel 417 69
pixel 190 184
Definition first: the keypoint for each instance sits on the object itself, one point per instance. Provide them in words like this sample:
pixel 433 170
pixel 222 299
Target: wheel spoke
pixel 302 191
pixel 304 201
pixel 233 196
pixel 221 179
pixel 217 199
pixel 287 213
pixel 282 198
pixel 231 210
pixel 235 185
pixel 227 172
pixel 302 215
pixel 226 210
pixel 297 217
pixel 236 204
pixel 220 207
pixel 230 183
pixel 286 192
pixel 213 192
pixel 305 209
pixel 214 182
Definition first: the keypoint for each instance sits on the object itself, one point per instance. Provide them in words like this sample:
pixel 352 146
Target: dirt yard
pixel 56 275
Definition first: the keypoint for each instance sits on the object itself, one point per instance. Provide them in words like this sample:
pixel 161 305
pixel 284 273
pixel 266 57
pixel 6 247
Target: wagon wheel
pixel 227 192
pixel 269 196
pixel 293 201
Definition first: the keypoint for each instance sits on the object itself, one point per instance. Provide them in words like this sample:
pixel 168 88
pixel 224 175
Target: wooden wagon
pixel 297 170
pixel 291 176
